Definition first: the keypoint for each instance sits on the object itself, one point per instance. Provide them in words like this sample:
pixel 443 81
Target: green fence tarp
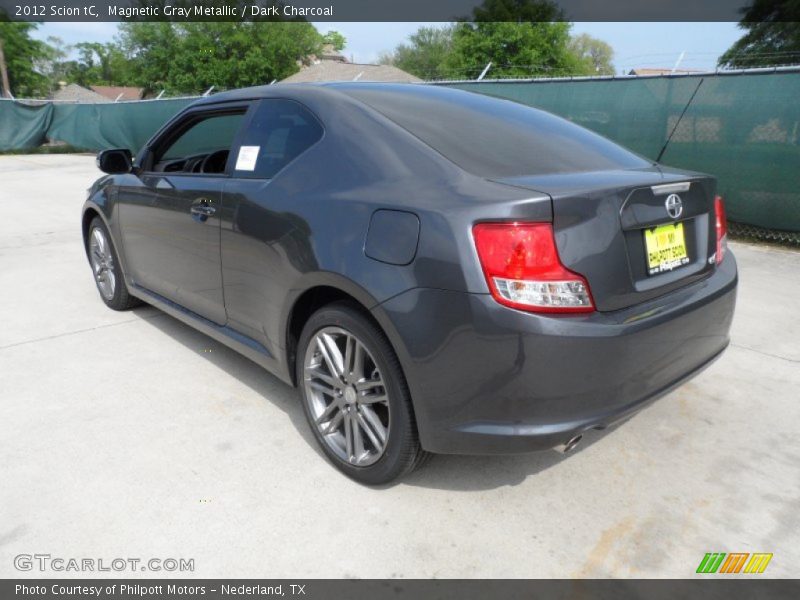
pixel 89 126
pixel 23 126
pixel 746 130
pixel 113 125
pixel 743 128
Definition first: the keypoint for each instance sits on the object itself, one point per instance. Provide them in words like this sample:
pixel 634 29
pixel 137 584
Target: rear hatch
pixel 615 229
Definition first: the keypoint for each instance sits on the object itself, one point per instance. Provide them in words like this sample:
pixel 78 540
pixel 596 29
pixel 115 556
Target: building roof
pixel 76 93
pixel 654 71
pixel 114 92
pixel 336 70
pixel 330 53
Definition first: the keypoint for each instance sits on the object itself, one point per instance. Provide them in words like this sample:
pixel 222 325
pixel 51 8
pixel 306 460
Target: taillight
pixel 521 265
pixel 722 228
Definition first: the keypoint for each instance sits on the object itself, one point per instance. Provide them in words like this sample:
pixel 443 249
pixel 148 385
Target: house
pixel 118 93
pixel 332 66
pixel 95 94
pixel 76 93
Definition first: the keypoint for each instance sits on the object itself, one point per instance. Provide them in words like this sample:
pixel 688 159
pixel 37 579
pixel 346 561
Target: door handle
pixel 202 209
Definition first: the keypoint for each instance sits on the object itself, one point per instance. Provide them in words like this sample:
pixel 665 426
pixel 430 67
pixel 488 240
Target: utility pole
pixel 4 72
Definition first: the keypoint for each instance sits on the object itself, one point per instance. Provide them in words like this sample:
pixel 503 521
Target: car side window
pixel 279 132
pixel 202 145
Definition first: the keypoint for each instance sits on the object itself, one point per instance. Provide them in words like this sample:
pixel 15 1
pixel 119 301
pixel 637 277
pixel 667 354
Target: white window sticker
pixel 246 161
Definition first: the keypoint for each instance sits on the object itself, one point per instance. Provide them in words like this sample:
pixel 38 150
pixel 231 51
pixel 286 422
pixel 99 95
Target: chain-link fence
pixel 742 231
pixel 743 127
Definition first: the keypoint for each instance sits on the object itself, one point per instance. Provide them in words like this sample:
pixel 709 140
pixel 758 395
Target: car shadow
pixel 261 381
pixel 444 472
pixel 478 473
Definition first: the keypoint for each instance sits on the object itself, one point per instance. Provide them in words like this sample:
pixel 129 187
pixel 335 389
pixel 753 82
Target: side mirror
pixel 118 160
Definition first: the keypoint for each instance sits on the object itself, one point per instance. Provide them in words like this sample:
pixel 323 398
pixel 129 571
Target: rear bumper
pixel 486 379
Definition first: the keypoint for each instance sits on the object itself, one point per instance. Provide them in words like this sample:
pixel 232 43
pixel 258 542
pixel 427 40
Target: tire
pixel 380 443
pixel 104 261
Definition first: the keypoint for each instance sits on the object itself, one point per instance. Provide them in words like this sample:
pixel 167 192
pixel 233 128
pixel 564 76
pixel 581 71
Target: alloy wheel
pixel 102 263
pixel 347 396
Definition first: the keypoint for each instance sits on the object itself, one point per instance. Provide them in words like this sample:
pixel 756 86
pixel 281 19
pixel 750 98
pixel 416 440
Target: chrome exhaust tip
pixel 569 445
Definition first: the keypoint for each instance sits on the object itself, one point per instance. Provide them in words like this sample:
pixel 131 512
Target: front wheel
pixel 105 268
pixel 355 396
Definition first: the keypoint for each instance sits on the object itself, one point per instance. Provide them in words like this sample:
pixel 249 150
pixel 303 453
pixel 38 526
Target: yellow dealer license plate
pixel 666 248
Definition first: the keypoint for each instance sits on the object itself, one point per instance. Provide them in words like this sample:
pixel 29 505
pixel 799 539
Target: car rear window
pixel 491 137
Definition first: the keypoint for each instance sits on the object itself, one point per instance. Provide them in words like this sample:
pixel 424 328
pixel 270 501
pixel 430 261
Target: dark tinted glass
pixel 492 137
pixel 206 136
pixel 281 130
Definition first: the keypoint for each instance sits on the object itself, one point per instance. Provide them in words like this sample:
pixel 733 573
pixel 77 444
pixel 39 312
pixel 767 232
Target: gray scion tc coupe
pixel 437 271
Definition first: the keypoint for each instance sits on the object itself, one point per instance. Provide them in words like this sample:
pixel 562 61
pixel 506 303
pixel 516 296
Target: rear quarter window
pixel 491 137
pixel 281 130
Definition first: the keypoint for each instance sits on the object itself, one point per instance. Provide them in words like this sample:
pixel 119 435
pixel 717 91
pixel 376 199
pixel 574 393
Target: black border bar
pixel 707 587
pixel 377 10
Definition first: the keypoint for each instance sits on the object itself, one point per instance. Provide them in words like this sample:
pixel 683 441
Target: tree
pixel 150 49
pixel 593 55
pixel 53 65
pixel 21 52
pixel 515 50
pixel 425 53
pixel 517 11
pixel 191 57
pixel 386 57
pixel 5 87
pixel 772 38
pixel 521 38
pixel 98 64
pixel 335 39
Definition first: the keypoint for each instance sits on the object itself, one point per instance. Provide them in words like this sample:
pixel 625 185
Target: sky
pixel 634 44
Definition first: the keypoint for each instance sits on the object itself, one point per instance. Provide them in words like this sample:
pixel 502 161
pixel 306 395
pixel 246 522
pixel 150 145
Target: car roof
pixel 329 89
